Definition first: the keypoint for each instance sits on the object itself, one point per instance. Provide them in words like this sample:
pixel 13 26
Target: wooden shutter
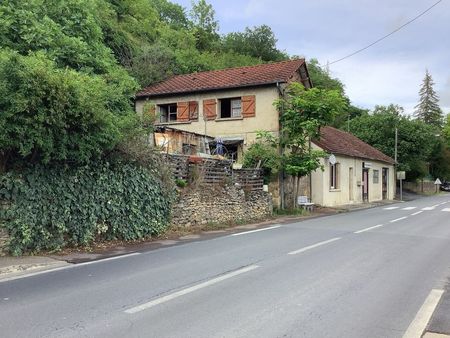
pixel 183 111
pixel 193 110
pixel 248 106
pixel 210 109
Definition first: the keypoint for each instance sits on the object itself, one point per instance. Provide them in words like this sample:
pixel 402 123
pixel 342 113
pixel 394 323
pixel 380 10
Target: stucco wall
pixel 266 117
pixel 323 195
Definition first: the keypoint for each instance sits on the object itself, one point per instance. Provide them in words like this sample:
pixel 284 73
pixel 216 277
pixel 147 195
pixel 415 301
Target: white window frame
pixel 169 115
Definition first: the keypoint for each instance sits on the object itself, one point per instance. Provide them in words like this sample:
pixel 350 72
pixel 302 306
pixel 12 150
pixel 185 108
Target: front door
pixel 385 183
pixel 365 185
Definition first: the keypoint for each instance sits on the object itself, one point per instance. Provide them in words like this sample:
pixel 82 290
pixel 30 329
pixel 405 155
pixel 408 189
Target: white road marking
pixel 191 289
pixel 367 229
pixel 6 279
pixel 409 208
pixel 418 325
pixel 446 209
pixel 258 230
pixel 416 213
pixel 398 219
pixel 391 208
pixel 313 246
pixel 428 208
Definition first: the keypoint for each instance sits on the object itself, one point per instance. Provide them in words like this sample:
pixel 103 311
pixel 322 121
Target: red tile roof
pixel 336 141
pixel 269 73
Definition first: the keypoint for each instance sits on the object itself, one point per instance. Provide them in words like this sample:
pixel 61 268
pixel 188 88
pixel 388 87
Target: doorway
pixel 385 183
pixel 350 184
pixel 365 184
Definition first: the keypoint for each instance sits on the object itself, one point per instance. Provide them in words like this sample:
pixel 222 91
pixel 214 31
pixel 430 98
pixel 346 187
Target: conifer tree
pixel 428 109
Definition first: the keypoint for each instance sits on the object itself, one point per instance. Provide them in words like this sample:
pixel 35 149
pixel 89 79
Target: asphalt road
pixel 360 274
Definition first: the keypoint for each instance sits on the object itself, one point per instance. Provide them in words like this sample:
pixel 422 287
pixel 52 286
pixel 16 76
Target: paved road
pixel 359 274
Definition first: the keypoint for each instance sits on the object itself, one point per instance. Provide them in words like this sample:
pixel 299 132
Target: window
pixel 376 176
pixel 167 112
pixel 230 108
pixel 334 176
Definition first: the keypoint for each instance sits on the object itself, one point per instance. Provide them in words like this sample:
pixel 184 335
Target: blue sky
pixel 389 72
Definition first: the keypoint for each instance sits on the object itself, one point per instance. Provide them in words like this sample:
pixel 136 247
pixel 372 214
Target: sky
pixel 389 72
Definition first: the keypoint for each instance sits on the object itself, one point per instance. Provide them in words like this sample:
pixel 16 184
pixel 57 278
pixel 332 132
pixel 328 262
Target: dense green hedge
pixel 54 207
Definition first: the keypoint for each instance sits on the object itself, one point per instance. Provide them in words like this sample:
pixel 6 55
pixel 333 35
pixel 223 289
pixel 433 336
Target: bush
pixel 54 207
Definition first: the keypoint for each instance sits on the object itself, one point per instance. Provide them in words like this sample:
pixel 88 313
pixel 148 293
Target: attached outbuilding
pixel 354 172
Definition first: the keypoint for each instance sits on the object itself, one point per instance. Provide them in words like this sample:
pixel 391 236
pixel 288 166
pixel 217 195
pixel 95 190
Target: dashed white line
pixel 428 208
pixel 446 209
pixel 313 246
pixel 416 213
pixel 191 289
pixel 258 230
pixel 391 208
pixel 409 208
pixel 398 219
pixel 418 325
pixel 367 229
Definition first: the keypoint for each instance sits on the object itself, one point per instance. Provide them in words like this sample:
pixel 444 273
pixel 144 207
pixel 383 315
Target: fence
pixel 214 171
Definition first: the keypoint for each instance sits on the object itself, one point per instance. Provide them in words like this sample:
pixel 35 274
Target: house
pixel 231 105
pixel 354 172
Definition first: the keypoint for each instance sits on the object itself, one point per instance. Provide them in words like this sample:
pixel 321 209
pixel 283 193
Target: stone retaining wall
pixel 420 187
pixel 227 204
pixel 4 237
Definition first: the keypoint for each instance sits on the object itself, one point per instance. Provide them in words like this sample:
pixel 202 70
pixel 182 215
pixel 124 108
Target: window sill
pixel 229 119
pixel 335 190
pixel 173 122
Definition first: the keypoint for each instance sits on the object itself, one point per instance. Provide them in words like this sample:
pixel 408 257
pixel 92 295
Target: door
pixel 385 183
pixel 350 184
pixel 365 184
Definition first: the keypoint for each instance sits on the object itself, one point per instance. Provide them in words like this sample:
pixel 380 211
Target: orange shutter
pixel 209 109
pixel 248 106
pixel 183 111
pixel 193 110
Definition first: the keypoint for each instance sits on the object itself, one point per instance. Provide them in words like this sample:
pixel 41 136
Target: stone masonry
pixel 220 204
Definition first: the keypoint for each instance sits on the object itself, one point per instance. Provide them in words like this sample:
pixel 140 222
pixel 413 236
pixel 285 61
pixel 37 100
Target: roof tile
pixel 225 78
pixel 340 142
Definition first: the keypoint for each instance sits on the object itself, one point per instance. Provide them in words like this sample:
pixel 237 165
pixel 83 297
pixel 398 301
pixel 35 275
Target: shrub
pixel 54 207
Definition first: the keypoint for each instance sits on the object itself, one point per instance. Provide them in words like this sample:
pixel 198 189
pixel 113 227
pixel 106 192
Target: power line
pixel 387 35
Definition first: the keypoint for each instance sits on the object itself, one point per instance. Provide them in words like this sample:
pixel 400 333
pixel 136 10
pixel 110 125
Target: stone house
pixel 354 172
pixel 230 104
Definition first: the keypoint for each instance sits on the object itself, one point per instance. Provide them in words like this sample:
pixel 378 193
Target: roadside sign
pixel 438 182
pixel 401 175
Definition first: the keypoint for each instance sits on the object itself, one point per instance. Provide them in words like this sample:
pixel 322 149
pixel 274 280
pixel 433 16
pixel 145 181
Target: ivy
pixel 55 207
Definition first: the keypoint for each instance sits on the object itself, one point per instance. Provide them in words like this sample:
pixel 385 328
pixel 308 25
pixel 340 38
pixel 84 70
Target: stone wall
pixel 419 187
pixel 4 237
pixel 220 204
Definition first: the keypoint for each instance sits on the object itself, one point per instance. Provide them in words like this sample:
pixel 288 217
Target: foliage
pixel 57 207
pixel 415 138
pixel 259 42
pixel 181 183
pixel 428 109
pixel 50 113
pixel 205 24
pixel 265 153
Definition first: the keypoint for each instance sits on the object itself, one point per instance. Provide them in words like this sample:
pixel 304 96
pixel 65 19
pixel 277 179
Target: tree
pixel 302 113
pixel 415 141
pixel 205 24
pixel 428 109
pixel 258 42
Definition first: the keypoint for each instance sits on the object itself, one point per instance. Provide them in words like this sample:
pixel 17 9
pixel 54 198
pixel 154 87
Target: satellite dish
pixel 332 159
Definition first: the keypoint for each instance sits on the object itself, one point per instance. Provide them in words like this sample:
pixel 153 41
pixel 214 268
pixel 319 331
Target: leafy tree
pixel 428 109
pixel 172 14
pixel 416 139
pixel 206 26
pixel 446 130
pixel 258 42
pixel 303 112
